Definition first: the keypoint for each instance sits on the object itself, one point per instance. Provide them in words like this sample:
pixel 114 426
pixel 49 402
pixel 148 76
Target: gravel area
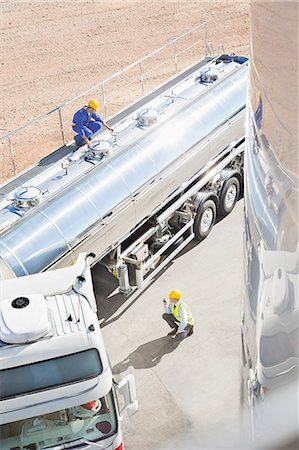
pixel 53 50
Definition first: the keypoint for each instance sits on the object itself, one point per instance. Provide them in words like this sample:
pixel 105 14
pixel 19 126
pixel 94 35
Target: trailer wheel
pixel 229 196
pixel 205 219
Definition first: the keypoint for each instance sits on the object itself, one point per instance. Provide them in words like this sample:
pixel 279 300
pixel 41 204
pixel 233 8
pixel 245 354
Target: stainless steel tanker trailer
pixel 138 197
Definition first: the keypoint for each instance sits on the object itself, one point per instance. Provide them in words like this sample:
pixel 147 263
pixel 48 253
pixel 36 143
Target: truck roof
pixel 51 343
pixel 47 315
pixel 67 315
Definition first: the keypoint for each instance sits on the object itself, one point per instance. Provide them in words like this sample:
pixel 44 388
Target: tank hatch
pixel 24 319
pixel 27 196
pixel 208 75
pixel 147 117
pixel 99 149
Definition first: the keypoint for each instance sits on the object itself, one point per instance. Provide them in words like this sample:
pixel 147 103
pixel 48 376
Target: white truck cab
pixel 57 390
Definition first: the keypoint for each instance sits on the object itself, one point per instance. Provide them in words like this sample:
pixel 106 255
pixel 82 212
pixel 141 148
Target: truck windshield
pixel 50 373
pixel 68 428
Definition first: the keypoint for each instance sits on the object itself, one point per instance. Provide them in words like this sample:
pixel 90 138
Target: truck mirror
pixel 126 388
pixel 132 408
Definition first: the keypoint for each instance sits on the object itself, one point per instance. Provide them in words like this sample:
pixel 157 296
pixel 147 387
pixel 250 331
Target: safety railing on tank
pixel 52 130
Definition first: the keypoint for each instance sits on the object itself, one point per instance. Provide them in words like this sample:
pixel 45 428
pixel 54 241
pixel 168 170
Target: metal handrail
pixel 138 63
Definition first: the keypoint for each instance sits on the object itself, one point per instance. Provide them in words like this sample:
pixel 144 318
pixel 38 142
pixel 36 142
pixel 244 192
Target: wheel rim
pixel 206 220
pixel 230 196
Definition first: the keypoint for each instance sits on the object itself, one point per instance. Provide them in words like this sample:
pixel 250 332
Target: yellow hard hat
pixel 175 294
pixel 94 104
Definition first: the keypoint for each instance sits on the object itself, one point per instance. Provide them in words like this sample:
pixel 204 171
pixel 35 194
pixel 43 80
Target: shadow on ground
pixel 108 303
pixel 147 355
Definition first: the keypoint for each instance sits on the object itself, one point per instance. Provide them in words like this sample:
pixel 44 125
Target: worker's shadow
pixel 147 355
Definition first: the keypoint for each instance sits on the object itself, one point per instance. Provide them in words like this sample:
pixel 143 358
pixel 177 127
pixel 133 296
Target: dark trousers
pixel 89 130
pixel 173 323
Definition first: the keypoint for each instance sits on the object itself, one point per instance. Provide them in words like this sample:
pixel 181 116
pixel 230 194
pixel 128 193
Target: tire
pixel 229 196
pixel 205 219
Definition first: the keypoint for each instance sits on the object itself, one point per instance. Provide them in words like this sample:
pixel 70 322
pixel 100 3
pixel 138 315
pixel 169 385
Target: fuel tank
pixel 94 198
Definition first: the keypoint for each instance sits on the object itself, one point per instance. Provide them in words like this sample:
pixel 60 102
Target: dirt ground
pixel 52 50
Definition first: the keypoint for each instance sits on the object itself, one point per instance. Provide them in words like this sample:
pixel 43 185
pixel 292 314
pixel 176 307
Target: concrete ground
pixel 196 385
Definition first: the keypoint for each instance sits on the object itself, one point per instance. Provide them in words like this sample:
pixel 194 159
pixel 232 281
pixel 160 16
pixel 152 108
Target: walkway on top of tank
pixel 63 151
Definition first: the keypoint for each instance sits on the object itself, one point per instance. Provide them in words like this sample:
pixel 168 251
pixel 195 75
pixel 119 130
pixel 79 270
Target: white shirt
pixel 183 315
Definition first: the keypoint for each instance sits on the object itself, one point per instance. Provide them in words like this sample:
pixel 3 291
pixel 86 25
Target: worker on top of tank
pixel 86 122
pixel 178 316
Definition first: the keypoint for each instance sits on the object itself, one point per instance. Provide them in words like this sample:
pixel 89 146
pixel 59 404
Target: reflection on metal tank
pixel 270 329
pixel 92 202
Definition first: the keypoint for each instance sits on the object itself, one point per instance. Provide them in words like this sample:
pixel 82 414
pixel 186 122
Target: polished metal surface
pixel 91 203
pixel 230 197
pixel 147 117
pixel 270 316
pixel 206 220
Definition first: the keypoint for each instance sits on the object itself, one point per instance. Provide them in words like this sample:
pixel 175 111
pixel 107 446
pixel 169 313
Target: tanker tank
pixel 93 199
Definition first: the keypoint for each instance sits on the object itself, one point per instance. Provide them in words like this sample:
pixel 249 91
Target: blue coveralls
pixel 85 124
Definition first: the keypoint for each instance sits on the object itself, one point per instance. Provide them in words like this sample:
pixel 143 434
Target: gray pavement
pixel 195 385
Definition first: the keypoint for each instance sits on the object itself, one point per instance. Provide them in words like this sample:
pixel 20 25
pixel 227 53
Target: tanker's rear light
pixel 120 447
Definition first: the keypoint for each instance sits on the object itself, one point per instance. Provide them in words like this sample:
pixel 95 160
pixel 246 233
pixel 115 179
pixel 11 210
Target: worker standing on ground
pixel 86 122
pixel 178 316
